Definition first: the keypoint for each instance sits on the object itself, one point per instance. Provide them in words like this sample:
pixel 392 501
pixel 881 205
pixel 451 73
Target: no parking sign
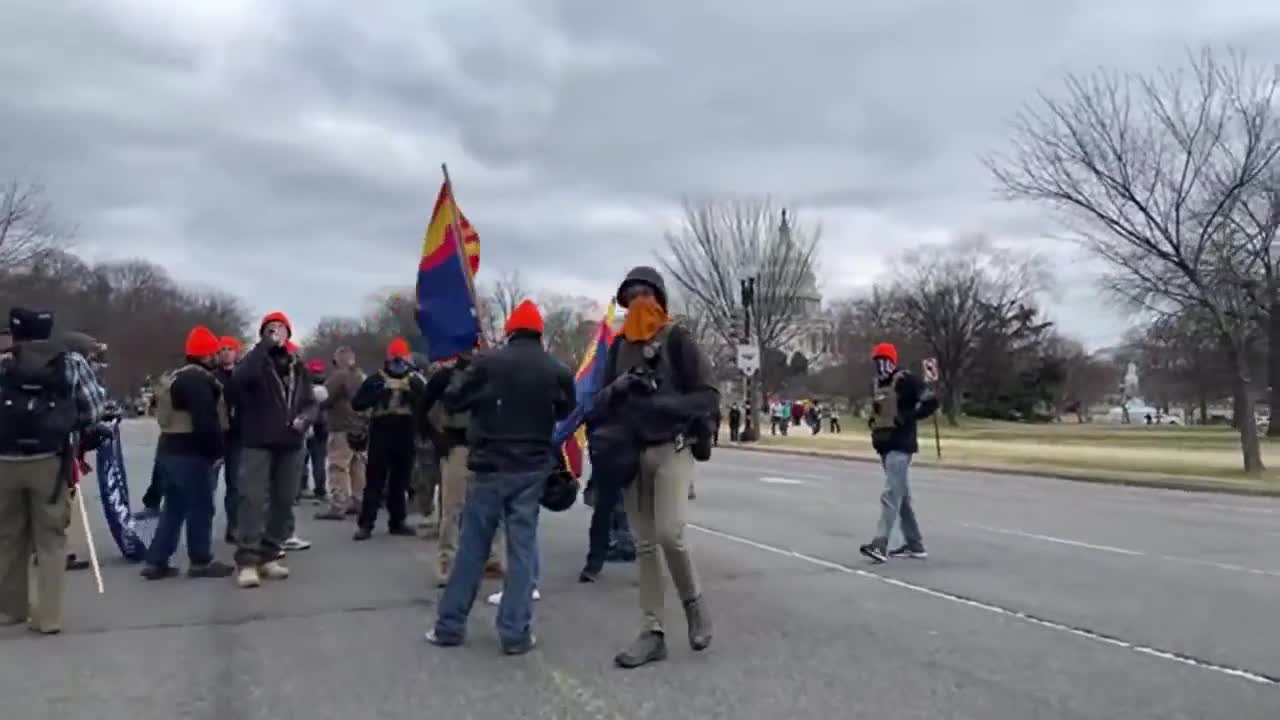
pixel 930 370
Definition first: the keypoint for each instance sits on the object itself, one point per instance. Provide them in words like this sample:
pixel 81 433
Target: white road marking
pixel 998 610
pixel 782 481
pixel 1123 551
pixel 1061 541
pixel 756 468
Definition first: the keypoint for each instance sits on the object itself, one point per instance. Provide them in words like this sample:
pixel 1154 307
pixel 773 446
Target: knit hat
pixel 886 351
pixel 526 316
pixel 201 342
pixel 317 367
pixel 276 316
pixel 226 342
pixel 291 347
pixel 25 324
pixel 398 349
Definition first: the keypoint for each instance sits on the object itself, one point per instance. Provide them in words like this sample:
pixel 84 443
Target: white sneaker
pixel 496 598
pixel 294 544
pixel 248 577
pixel 275 570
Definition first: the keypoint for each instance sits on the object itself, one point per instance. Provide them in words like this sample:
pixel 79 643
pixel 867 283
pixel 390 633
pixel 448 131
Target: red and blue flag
pixel 446 297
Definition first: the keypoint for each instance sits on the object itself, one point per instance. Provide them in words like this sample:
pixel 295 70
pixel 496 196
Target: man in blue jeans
pixel 191 410
pixel 900 401
pixel 514 394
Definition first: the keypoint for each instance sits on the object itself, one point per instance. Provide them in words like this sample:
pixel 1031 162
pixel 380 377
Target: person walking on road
pixel 347 448
pixel 900 401
pixel 735 422
pixel 47 395
pixel 228 354
pixel 277 406
pixel 659 382
pixel 515 395
pixel 390 396
pixel 191 410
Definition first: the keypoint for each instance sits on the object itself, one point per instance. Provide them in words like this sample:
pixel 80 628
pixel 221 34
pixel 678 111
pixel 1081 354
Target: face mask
pixel 884 368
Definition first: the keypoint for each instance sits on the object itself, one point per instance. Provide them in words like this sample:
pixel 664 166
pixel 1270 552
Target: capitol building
pixel 815 337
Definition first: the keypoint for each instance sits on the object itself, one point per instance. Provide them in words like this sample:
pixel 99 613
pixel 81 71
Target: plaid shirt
pixel 91 399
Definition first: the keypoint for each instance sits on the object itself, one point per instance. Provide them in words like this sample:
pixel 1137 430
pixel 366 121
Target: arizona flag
pixel 446 305
pixel 570 432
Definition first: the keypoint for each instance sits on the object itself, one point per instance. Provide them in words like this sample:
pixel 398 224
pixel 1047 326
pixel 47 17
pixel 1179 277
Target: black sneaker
pixel 214 569
pixel 159 572
pixel 909 551
pixel 402 531
pixel 875 552
pixel 362 534
pixel 589 574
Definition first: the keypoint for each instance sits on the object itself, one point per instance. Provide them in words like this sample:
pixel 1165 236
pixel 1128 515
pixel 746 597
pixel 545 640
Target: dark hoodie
pixel 272 388
pixel 914 404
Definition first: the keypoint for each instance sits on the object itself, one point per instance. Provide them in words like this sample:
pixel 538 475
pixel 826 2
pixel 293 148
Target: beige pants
pixel 455 478
pixel 657 505
pixel 76 541
pixel 346 472
pixel 34 514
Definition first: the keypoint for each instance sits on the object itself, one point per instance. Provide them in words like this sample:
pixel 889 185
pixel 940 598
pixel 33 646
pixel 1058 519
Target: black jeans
pixel 315 454
pixel 391 456
pixel 154 495
pixel 231 473
pixel 608 522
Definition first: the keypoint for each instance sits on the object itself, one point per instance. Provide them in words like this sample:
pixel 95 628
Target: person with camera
pixel 389 396
pixel 48 395
pixel 276 408
pixel 659 386
pixel 348 444
pixel 191 410
pixel 515 395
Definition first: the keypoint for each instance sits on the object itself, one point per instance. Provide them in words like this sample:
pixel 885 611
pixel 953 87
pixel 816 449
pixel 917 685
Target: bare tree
pixel 721 243
pixel 495 304
pixel 27 228
pixel 1150 174
pixel 952 297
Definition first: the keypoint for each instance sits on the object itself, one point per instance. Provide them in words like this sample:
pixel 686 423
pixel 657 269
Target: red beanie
pixel 291 346
pixel 316 366
pixel 398 348
pixel 276 316
pixel 229 343
pixel 525 317
pixel 886 351
pixel 201 342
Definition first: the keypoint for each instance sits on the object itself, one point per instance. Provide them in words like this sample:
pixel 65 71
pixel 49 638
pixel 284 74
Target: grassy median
pixel 1206 457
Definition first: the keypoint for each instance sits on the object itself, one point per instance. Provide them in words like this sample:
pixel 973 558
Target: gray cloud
pixel 290 151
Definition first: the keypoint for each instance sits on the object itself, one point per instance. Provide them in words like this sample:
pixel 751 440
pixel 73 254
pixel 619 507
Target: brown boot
pixel 651 646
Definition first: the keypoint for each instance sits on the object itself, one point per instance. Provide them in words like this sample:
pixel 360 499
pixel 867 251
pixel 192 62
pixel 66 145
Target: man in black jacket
pixel 390 397
pixel 228 354
pixel 191 410
pixel 515 396
pixel 900 401
pixel 276 408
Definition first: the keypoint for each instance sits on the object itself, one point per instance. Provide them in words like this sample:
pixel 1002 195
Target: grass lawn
pixel 1193 456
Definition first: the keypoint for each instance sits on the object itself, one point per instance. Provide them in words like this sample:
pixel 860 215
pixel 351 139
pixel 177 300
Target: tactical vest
pixel 653 354
pixel 442 419
pixel 173 421
pixel 400 402
pixel 884 406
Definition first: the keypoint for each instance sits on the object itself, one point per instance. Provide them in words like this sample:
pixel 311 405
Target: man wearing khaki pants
pixel 346 456
pixel 448 432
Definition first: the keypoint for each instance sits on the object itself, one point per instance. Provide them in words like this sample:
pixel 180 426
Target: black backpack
pixel 37 406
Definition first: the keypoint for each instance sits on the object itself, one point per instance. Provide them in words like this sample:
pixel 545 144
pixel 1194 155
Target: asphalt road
pixel 1041 599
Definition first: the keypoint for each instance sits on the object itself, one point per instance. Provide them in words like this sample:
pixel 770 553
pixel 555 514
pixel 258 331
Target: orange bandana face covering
pixel 645 319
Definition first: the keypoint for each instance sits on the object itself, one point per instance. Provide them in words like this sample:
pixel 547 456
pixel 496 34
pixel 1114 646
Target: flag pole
pixel 462 253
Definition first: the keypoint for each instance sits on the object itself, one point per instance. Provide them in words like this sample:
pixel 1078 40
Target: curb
pixel 1191 484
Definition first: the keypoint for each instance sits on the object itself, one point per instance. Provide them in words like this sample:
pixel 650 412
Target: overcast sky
pixel 289 150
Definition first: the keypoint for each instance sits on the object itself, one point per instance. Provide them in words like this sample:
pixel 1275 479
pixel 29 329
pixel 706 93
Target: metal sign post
pixel 930 368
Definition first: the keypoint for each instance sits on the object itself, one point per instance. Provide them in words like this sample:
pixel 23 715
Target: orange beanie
pixel 398 348
pixel 279 317
pixel 201 342
pixel 229 343
pixel 525 317
pixel 886 351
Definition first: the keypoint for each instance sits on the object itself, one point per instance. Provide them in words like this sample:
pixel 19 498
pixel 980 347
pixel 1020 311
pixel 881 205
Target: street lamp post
pixel 751 432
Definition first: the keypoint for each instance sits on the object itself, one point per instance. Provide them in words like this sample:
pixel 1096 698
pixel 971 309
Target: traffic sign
pixel 748 359
pixel 930 370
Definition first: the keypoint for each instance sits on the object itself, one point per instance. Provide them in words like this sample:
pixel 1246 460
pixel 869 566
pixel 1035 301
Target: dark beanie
pixel 25 324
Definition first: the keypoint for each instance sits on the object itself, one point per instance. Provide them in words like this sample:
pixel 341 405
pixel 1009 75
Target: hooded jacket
pixel 273 389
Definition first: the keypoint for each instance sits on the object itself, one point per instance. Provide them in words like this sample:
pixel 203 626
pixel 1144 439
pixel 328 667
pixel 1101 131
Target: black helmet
pixel 561 490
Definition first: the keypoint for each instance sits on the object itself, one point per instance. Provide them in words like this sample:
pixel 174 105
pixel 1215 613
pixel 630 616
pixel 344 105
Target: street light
pixel 751 432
